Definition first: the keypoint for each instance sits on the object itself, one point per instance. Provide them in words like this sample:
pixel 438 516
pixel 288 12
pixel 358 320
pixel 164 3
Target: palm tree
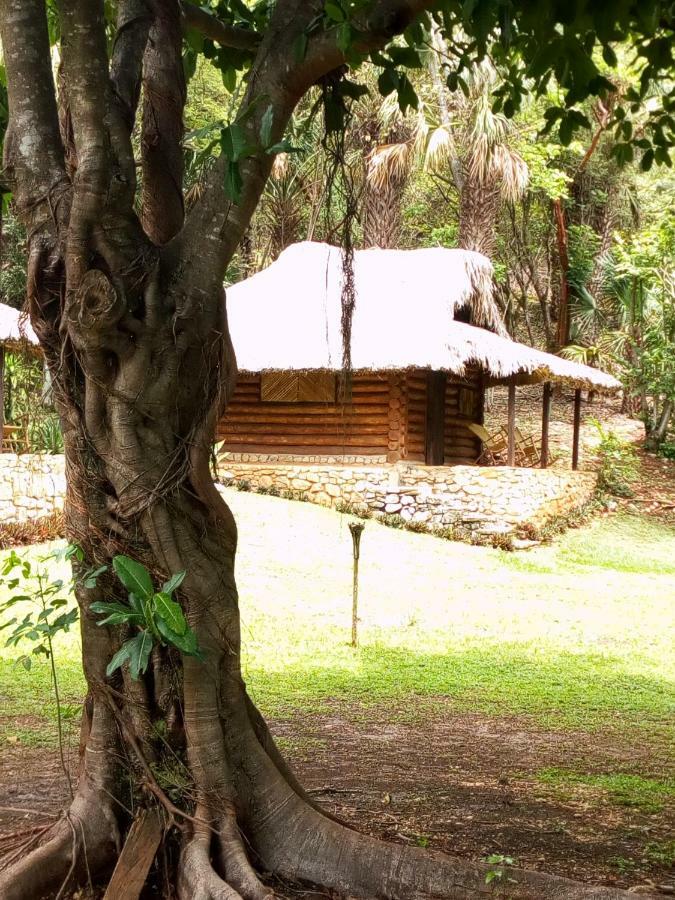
pixel 474 143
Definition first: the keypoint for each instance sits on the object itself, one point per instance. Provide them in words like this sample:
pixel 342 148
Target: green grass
pixel 647 794
pixel 621 543
pixel 577 635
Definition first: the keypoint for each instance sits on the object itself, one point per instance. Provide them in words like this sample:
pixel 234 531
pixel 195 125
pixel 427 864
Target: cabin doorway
pixel 434 454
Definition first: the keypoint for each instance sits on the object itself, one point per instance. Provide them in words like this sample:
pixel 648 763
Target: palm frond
pixel 388 163
pixel 440 149
pixel 511 171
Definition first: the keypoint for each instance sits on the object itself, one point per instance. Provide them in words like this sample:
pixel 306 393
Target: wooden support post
pixel 511 452
pixel 577 428
pixel 545 419
pixel 435 436
pixel 2 398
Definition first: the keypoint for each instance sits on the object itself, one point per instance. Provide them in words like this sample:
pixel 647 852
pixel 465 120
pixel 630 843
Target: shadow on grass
pixel 560 690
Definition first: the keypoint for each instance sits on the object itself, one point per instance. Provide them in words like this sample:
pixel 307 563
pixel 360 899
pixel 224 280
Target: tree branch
pixel 277 82
pixel 85 65
pixel 164 96
pixel 33 152
pixel 133 24
pixel 211 27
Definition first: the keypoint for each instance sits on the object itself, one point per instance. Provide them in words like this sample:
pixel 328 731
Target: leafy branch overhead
pixel 566 53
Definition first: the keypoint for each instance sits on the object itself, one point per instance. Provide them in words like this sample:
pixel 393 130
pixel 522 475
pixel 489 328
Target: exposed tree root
pixel 196 878
pixel 82 844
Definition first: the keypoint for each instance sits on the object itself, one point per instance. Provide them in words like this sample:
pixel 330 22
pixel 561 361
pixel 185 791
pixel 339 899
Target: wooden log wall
pixel 416 418
pixel 463 400
pixel 365 427
pixel 386 417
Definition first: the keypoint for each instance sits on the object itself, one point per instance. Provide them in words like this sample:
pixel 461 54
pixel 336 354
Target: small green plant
pixel 45 436
pixel 47 617
pixel 667 450
pixel 623 864
pixel 660 854
pixel 618 463
pixel 157 617
pixel 496 874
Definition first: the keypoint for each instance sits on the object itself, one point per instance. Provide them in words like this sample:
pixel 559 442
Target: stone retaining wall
pixel 483 500
pixel 31 486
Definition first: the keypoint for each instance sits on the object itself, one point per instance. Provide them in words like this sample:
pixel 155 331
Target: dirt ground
pixel 469 787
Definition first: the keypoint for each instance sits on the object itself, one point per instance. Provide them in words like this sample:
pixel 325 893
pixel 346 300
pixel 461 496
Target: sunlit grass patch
pixel 622 789
pixel 444 626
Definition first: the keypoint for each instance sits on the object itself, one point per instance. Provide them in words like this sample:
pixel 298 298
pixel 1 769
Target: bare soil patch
pixel 462 783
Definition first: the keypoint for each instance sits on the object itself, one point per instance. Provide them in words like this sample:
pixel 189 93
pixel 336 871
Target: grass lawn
pixel 576 635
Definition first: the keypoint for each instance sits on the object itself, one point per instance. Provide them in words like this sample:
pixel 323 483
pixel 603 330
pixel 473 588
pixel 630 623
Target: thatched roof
pixel 15 330
pixel 288 317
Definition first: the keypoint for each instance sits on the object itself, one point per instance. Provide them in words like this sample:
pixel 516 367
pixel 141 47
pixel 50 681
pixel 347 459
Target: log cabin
pixel 382 363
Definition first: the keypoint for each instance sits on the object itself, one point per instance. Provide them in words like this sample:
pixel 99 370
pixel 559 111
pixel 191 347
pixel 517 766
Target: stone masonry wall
pixel 31 486
pixel 484 500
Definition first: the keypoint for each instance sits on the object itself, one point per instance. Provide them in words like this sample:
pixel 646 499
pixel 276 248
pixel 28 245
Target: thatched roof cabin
pixel 16 332
pixel 419 372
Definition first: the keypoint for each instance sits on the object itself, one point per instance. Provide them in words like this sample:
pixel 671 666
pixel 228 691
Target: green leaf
pixel 233 182
pixel 170 612
pixel 284 146
pixel 406 57
pixel 118 659
pixel 140 647
pixel 299 49
pixel 229 77
pixel 136 604
pixel 334 11
pixel 135 577
pixel 407 96
pixel 343 36
pixel 108 608
pixel 186 643
pixel 91 578
pixel 387 82
pixel 233 143
pixel 352 89
pixel 266 126
pixel 173 583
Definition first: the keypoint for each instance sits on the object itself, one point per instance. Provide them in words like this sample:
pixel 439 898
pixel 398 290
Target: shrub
pixel 618 463
pixel 667 450
pixel 45 436
pixel 36 531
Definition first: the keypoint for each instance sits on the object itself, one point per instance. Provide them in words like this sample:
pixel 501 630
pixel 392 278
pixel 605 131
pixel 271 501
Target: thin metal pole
pixel 356 529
